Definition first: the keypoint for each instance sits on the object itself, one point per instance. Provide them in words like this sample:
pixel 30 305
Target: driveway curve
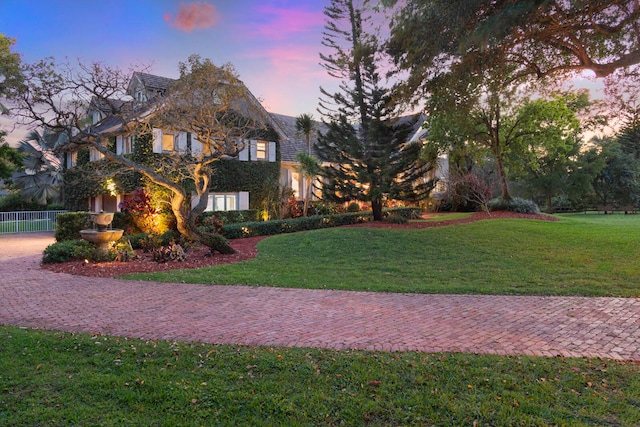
pixel 506 325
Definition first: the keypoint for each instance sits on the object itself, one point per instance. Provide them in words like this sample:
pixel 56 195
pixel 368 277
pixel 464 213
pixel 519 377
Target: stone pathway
pixel 546 326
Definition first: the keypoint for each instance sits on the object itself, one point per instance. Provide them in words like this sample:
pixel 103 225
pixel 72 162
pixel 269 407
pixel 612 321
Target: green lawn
pixel 26 226
pixel 49 378
pixel 591 255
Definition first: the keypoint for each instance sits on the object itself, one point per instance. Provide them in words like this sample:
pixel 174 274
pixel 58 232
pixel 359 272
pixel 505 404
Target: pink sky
pixel 273 44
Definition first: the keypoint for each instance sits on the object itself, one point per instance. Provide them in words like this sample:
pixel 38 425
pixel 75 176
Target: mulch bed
pixel 246 248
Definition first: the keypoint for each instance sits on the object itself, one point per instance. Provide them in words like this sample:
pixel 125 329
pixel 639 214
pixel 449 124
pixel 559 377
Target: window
pixel 261 150
pixel 72 159
pixel 168 142
pixel 222 202
pixel 295 183
pixel 128 144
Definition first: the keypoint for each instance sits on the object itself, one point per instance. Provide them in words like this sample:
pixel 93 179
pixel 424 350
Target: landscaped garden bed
pixel 200 256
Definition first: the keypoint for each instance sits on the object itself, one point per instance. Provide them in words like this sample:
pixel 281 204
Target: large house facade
pixel 145 88
pixel 276 155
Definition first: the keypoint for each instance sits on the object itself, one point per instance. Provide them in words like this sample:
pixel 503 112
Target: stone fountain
pixel 102 233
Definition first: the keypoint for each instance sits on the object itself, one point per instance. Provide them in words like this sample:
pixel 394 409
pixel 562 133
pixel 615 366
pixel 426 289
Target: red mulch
pixel 246 249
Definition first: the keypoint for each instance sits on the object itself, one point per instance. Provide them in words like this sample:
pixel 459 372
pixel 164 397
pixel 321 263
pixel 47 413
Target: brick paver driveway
pixel 548 326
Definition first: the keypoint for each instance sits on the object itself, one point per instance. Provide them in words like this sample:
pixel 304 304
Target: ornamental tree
pixel 208 101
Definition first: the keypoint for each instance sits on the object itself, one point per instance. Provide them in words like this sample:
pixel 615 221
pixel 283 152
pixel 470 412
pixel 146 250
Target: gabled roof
pixel 154 85
pixel 150 82
pixel 295 143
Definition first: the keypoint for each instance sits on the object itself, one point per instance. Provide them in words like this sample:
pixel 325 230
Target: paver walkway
pixel 548 326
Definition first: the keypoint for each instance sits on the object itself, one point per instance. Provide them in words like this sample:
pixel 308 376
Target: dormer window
pixel 139 96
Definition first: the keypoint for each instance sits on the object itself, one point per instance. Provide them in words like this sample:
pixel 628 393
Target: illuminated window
pixel 295 183
pixel 261 150
pixel 168 140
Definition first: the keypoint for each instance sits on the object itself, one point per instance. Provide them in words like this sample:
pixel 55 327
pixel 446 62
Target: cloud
pixel 193 16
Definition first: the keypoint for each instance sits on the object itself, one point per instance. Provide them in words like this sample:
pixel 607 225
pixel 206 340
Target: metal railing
pixel 28 221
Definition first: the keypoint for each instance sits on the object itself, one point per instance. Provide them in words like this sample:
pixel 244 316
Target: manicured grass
pixel 591 255
pixel 49 378
pixel 26 226
pixel 437 217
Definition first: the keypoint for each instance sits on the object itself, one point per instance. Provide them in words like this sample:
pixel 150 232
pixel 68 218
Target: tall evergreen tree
pixel 365 146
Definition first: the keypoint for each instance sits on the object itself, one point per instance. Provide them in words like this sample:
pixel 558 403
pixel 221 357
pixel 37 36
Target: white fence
pixel 28 221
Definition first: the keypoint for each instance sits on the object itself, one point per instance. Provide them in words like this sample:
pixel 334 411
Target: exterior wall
pixel 291 178
pixel 105 202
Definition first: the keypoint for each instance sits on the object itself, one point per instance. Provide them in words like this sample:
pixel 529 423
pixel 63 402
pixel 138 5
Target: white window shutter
pixel 272 151
pixel 196 147
pixel 157 140
pixel 243 200
pixel 244 153
pixel 181 142
pixel 119 144
pixel 253 149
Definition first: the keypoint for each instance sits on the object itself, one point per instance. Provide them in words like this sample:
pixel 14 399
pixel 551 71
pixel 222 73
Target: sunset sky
pixel 274 44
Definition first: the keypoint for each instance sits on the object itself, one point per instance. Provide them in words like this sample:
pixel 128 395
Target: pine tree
pixel 365 147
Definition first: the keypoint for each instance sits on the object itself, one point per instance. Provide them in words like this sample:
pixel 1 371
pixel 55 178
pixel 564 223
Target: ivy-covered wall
pixel 258 178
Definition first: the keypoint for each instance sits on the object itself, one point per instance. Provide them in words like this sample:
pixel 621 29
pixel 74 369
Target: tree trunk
pixel 502 177
pixel 305 206
pixel 376 208
pixel 186 226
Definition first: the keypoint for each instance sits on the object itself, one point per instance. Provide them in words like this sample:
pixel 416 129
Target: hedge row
pixel 231 217
pixel 70 223
pixel 269 228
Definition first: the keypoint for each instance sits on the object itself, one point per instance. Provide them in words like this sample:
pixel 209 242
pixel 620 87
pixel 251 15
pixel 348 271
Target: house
pixel 145 89
pixel 440 173
pixel 277 154
pixel 292 144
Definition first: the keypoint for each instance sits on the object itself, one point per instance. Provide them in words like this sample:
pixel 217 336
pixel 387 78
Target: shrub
pixel 55 207
pixel 136 240
pixel 353 207
pixel 68 250
pixel 514 205
pixel 123 251
pixel 324 208
pixel 13 202
pixel 293 208
pixel 407 212
pixel 562 204
pixel 69 225
pixel 397 219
